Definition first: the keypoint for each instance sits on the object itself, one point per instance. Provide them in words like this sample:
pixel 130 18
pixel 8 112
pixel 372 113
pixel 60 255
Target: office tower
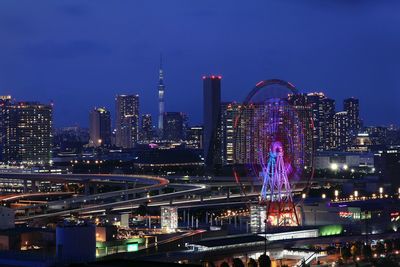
pixel 229 112
pixel 323 110
pixel 341 130
pixel 127 120
pixel 99 127
pixel 161 88
pixel 238 138
pixel 212 120
pixel 146 129
pixel 174 126
pixel 352 107
pixel 5 101
pixel 28 134
pixel 194 137
pixel 305 115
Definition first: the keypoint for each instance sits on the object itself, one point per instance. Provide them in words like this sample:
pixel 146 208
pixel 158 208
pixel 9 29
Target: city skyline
pixel 65 67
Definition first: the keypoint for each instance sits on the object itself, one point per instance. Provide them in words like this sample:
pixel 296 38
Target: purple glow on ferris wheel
pixel 275 175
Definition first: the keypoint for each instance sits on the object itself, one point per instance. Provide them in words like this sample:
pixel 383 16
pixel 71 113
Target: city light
pixel 336 192
pixel 194 174
pixel 334 166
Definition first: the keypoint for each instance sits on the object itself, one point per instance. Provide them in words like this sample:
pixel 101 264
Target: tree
pixel 367 252
pixel 388 245
pixel 224 264
pixel 237 263
pixel 380 248
pixel 208 264
pixel 346 253
pixel 252 263
pixel 142 210
pixel 385 262
pixel 264 261
pixel 396 243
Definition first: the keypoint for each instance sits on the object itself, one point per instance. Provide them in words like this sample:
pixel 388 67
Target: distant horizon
pixel 338 108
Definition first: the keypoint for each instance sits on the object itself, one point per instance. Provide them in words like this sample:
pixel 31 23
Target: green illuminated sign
pixel 132 247
pixel 330 230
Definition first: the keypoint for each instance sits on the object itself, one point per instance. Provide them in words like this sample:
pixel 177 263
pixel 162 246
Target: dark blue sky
pixel 80 54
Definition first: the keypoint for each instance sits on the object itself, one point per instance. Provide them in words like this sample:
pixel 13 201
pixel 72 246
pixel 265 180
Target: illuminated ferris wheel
pixel 272 141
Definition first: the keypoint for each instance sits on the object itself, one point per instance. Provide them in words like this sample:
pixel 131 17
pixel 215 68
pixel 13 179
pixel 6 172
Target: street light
pixel 356 194
pixel 303 195
pixel 334 166
pixel 380 192
pixel 324 196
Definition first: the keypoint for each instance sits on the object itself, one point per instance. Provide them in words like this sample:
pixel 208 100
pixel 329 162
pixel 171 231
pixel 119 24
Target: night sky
pixel 80 54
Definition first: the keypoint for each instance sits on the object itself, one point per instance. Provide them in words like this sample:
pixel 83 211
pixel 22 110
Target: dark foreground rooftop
pixel 131 263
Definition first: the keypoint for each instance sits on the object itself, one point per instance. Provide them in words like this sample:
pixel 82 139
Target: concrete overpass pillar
pixel 25 185
pixel 94 186
pixel 34 186
pixel 87 188
pixel 126 195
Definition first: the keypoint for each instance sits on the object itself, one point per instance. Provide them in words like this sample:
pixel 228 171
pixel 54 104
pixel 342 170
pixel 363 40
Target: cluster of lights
pixel 230 213
pixel 87 161
pixel 219 77
pixel 336 167
pixel 356 196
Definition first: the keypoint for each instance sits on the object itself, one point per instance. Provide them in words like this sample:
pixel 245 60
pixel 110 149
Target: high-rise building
pixel 28 133
pixel 212 120
pixel 352 107
pixel 323 110
pixel 161 89
pixel 229 112
pixel 304 113
pixel 174 126
pixel 99 127
pixel 127 120
pixel 341 130
pixel 146 129
pixel 5 101
pixel 194 137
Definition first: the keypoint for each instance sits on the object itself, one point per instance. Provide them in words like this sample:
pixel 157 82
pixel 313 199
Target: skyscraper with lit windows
pixel 352 107
pixel 28 133
pixel 174 126
pixel 323 110
pixel 99 127
pixel 341 130
pixel 161 105
pixel 146 129
pixel 127 120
